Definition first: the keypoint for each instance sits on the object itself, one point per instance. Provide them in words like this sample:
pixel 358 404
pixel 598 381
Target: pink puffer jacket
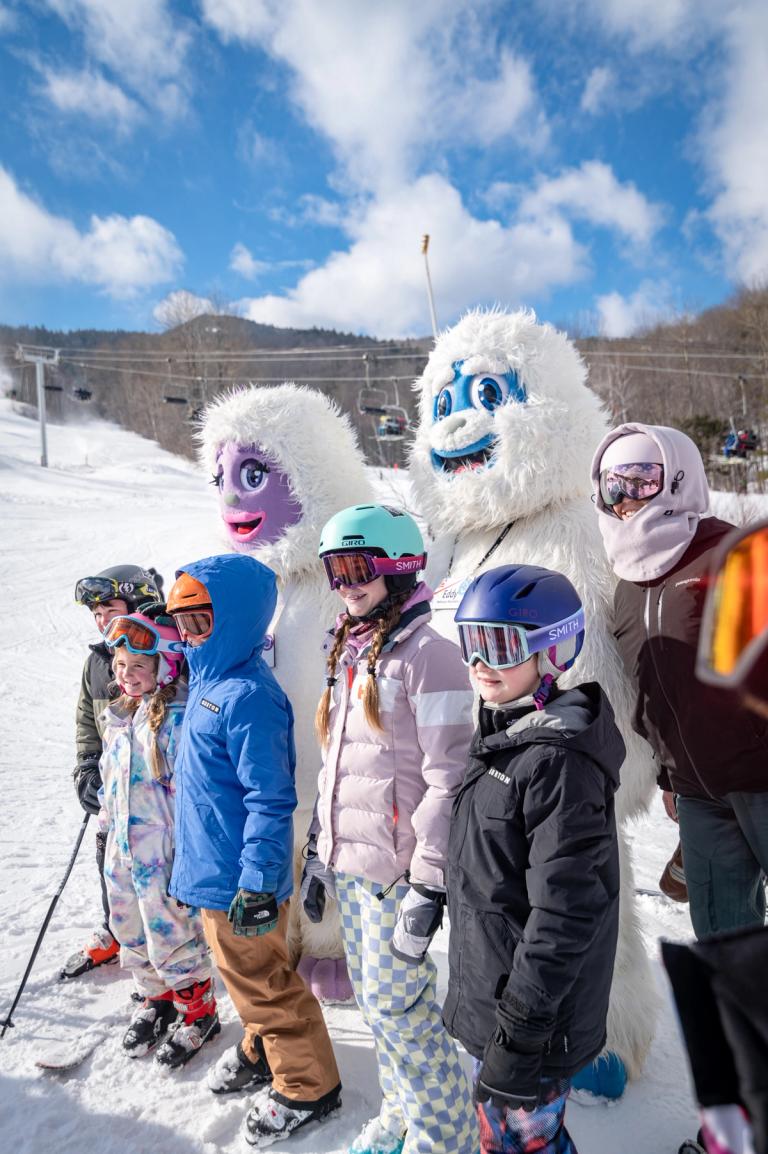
pixel 385 798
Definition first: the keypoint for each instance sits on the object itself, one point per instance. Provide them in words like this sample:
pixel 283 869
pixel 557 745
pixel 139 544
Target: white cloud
pixel 597 88
pixel 89 93
pixel 734 145
pixel 591 192
pixel 378 285
pixel 621 316
pixel 647 24
pixel 118 254
pixel 388 88
pixel 8 20
pixel 142 43
pixel 242 261
pixel 181 306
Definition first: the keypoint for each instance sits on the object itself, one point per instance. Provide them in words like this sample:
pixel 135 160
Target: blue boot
pixel 606 1077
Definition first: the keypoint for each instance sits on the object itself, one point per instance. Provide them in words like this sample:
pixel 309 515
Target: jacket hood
pixel 244 595
pixel 654 540
pixel 579 719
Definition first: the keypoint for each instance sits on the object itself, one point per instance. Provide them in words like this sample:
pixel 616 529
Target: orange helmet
pixel 188 593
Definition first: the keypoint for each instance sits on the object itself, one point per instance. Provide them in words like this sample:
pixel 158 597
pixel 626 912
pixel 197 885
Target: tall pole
pixel 430 296
pixel 40 360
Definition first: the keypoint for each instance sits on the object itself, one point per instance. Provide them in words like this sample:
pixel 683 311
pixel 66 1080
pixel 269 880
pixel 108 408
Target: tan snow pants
pixel 275 1005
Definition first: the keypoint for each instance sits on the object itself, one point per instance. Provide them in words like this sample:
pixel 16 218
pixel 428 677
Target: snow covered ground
pixel 110 496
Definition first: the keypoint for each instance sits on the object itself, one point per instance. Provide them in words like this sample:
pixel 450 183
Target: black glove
pixel 418 920
pixel 252 914
pixel 316 882
pixel 88 784
pixel 510 1075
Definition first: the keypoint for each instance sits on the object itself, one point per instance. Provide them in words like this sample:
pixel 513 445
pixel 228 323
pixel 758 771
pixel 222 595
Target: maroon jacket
pixel 708 743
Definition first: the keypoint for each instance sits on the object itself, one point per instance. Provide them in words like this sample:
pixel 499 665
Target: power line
pixel 197 379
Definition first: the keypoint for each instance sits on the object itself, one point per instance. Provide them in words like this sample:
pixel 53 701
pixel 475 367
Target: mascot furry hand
pixel 501 463
pixel 284 460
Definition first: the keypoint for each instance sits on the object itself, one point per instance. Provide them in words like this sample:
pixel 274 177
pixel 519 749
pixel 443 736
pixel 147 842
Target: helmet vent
pixel 524 592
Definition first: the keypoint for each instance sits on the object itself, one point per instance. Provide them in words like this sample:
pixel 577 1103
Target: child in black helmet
pixel 533 870
pixel 112 592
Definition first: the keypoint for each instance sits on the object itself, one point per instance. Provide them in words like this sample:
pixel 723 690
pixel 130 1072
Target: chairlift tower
pixel 39 358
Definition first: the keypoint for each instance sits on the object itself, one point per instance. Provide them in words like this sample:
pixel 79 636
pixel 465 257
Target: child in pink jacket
pixel 394 723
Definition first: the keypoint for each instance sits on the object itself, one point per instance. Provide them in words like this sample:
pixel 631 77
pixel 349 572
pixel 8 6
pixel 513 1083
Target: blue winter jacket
pixel 235 791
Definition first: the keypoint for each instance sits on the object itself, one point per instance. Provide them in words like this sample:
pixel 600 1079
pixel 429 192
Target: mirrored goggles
pixel 194 622
pixel 501 646
pixel 734 630
pixel 139 637
pixel 95 590
pixel 638 482
pixel 359 567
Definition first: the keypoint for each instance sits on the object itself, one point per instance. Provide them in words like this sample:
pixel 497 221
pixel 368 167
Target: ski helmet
pixel 155 636
pixel 187 593
pixel 532 598
pixel 129 583
pixel 380 530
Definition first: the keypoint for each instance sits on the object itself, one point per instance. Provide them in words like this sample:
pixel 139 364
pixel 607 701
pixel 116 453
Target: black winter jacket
pixel 533 880
pixel 708 743
pixel 94 697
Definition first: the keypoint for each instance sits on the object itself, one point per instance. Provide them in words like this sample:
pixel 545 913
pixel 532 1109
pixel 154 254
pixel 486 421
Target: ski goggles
pixel 95 590
pixel 194 622
pixel 734 631
pixel 139 637
pixel 501 646
pixel 638 481
pixel 358 567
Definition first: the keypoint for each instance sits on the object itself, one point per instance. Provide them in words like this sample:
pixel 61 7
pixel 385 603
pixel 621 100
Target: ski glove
pixel 252 914
pixel 88 784
pixel 316 883
pixel 510 1075
pixel 418 920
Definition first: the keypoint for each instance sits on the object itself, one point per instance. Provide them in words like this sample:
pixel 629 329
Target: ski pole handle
pixel 8 1022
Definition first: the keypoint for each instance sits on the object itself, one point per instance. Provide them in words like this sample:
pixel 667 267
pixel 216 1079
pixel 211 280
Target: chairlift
pixel 393 425
pixel 371 401
pixel 170 399
pixel 81 394
pixel 54 388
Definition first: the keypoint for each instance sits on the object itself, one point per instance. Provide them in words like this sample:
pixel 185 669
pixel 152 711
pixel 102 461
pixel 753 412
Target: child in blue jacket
pixel 234 843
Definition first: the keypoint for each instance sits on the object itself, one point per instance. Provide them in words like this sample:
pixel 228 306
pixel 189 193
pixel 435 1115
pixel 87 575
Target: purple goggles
pixel 638 481
pixel 500 645
pixel 358 567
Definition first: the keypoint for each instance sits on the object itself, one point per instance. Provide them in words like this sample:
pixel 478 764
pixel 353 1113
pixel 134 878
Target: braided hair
pixel 156 711
pixel 384 626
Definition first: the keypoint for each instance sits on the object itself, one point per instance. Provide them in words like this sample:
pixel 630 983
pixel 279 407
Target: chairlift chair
pixel 81 394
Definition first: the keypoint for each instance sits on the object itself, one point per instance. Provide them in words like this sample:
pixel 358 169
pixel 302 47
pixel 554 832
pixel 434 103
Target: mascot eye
pixel 253 474
pixel 488 392
pixel 443 404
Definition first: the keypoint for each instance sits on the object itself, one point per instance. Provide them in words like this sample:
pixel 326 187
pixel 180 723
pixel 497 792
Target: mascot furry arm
pixel 284 460
pixel 501 463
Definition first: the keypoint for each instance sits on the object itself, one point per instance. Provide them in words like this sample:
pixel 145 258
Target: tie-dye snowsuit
pixel 162 943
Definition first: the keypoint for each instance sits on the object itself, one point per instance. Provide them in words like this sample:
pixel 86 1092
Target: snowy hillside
pixel 108 497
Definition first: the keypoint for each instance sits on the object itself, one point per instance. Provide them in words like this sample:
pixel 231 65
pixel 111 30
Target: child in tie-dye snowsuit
pixel 395 725
pixel 162 941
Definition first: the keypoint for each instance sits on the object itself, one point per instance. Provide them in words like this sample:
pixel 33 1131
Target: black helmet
pixel 129 583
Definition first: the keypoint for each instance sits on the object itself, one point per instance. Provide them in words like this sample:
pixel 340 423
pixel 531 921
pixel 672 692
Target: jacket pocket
pixel 486 948
pixel 215 863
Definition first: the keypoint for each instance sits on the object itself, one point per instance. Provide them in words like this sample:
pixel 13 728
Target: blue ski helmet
pixel 531 597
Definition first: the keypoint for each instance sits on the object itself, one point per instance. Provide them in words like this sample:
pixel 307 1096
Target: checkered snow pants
pixel 424 1088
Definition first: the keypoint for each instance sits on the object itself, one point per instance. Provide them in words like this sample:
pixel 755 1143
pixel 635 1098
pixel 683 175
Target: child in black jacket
pixel 533 870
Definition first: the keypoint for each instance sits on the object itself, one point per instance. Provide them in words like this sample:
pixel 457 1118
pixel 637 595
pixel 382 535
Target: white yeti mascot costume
pixel 501 467
pixel 285 460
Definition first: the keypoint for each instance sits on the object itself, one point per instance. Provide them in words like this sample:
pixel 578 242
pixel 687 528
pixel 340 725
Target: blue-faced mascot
pixel 284 460
pixel 501 471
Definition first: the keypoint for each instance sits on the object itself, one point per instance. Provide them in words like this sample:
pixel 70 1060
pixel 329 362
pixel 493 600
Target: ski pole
pixel 44 926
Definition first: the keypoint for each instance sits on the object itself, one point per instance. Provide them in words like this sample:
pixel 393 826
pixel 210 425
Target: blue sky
pixel 603 161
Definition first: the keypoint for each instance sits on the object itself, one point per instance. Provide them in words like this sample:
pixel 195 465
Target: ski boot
pixel 100 951
pixel 235 1071
pixel 374 1138
pixel 197 1022
pixel 273 1117
pixel 149 1025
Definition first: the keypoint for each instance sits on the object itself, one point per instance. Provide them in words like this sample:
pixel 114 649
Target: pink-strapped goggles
pixel 358 567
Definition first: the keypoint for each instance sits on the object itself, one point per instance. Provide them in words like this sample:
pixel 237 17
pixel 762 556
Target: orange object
pixel 188 593
pixel 99 956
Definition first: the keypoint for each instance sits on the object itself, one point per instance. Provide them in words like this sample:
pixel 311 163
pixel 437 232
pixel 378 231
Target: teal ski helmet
pixel 357 536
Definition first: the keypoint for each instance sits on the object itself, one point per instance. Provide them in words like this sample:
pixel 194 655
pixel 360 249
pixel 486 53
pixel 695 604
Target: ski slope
pixel 109 496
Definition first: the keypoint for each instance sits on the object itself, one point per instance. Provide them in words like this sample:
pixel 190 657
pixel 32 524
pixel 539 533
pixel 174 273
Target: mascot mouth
pixel 244 528
pixel 461 460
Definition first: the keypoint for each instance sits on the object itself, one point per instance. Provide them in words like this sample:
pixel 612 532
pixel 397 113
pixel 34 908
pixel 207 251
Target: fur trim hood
pixel 540 447
pixel 315 446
